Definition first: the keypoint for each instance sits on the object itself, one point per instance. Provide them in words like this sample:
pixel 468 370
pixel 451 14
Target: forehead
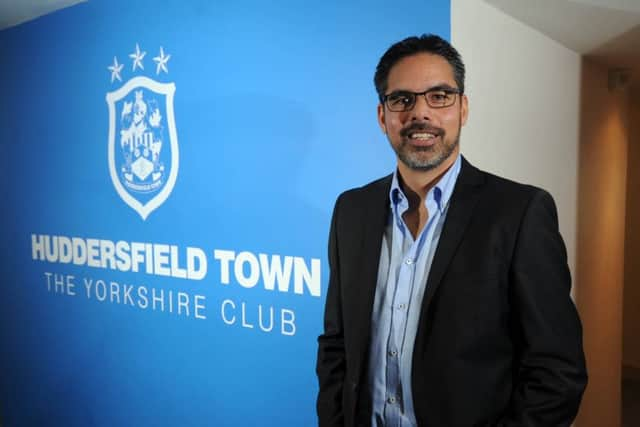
pixel 420 72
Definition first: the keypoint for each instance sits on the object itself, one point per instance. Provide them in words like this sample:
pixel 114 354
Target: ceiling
pixel 14 12
pixel 606 30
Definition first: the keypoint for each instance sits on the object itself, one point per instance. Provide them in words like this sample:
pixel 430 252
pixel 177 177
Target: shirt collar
pixel 441 192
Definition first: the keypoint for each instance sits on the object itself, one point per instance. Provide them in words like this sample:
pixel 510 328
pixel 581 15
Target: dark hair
pixel 426 43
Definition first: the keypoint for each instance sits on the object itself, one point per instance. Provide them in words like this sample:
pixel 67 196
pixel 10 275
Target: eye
pixel 400 99
pixel 439 96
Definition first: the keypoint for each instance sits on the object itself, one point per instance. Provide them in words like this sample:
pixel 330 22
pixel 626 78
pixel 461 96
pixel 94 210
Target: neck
pixel 417 183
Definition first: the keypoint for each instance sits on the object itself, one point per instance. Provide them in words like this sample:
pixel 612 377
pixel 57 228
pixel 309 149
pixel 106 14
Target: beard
pixel 425 158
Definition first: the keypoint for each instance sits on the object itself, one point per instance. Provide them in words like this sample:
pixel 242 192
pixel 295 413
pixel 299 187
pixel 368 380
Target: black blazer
pixel 499 341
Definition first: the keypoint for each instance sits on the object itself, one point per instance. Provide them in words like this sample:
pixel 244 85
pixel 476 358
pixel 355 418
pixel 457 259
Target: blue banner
pixel 168 175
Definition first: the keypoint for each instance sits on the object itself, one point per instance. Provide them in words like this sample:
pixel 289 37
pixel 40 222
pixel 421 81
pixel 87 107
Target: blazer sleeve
pixel 331 362
pixel 552 375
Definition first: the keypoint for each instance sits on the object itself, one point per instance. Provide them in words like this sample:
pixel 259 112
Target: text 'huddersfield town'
pixel 274 272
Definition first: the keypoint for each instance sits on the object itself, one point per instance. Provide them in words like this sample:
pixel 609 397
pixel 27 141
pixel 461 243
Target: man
pixel 448 301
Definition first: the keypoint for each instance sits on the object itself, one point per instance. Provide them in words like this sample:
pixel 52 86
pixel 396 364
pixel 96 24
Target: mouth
pixel 421 136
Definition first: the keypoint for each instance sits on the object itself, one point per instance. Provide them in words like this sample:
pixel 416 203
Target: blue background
pixel 276 115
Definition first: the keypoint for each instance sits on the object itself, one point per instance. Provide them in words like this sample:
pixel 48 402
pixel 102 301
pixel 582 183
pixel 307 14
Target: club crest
pixel 143 142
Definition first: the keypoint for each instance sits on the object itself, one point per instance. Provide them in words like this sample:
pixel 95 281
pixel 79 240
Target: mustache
pixel 423 127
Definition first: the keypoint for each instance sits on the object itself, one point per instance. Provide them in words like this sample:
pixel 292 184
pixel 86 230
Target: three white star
pixel 162 60
pixel 115 70
pixel 137 57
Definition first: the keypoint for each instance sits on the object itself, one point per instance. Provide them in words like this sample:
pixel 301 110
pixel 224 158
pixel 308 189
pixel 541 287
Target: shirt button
pixel 391 400
pixel 401 306
pixel 409 261
pixel 393 353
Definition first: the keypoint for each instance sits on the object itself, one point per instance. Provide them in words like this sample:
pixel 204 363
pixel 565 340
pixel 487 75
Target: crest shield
pixel 143 143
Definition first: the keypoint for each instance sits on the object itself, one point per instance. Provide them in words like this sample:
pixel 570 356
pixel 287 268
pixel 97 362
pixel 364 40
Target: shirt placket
pixel 399 312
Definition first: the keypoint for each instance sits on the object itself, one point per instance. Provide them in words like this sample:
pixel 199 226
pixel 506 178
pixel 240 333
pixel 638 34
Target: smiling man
pixel 448 301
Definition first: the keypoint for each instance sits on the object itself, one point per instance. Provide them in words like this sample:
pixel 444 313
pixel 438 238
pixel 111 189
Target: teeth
pixel 422 136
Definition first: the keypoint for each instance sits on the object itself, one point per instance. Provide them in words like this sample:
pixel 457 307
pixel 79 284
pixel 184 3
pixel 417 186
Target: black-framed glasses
pixel 436 97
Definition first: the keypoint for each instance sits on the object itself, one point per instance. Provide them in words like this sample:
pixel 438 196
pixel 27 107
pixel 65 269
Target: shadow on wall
pixel 631 292
pixel 600 242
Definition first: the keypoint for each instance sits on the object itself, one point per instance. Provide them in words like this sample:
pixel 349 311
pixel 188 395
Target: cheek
pixel 452 120
pixel 394 123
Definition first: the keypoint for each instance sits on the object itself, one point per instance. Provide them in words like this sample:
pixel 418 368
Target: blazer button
pixel 354 385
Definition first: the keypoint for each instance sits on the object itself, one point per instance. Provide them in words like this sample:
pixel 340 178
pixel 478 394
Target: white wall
pixel 523 90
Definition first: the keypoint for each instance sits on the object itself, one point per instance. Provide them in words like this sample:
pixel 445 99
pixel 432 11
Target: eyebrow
pixel 443 86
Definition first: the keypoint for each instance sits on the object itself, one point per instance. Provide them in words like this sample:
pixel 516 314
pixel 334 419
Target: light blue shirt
pixel 402 275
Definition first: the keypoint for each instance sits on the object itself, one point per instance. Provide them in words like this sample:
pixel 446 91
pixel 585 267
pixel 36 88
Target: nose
pixel 421 111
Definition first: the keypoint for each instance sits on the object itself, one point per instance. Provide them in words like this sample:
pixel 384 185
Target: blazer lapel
pixel 376 212
pixel 463 200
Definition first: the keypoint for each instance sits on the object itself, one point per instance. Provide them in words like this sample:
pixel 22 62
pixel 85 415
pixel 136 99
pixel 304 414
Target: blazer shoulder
pixel 377 190
pixel 473 177
pixel 502 195
pixel 510 190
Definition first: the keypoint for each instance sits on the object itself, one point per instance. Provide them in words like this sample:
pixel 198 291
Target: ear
pixel 381 122
pixel 464 109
